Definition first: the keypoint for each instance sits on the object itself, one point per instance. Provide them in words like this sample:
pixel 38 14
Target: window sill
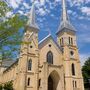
pixel 29 87
pixel 73 58
pixel 30 72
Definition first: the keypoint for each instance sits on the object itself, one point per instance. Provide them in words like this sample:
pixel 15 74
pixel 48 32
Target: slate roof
pixel 11 65
pixel 32 18
pixel 65 23
pixel 7 63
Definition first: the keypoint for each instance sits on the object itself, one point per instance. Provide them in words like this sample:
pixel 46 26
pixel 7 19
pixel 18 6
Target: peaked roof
pixel 41 43
pixel 65 23
pixel 32 18
pixel 7 63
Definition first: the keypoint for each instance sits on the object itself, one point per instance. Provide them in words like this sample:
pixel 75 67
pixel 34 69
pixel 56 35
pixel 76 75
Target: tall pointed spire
pixel 32 18
pixel 64 11
pixel 65 23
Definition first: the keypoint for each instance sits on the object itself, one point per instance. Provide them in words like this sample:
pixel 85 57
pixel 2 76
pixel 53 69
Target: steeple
pixel 65 23
pixel 32 18
pixel 64 11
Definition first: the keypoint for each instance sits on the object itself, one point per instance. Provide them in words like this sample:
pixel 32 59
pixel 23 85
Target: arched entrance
pixel 50 83
pixel 53 81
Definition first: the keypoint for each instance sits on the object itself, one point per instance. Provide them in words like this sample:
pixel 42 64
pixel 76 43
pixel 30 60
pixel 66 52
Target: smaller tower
pixel 28 63
pixel 65 26
pixel 66 38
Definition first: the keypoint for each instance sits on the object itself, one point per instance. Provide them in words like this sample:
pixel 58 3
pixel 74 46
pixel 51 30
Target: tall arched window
pixel 30 64
pixel 39 84
pixel 75 84
pixel 50 57
pixel 62 41
pixel 28 82
pixel 69 41
pixel 72 41
pixel 73 69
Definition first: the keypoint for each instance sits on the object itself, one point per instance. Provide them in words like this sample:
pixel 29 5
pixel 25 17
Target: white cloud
pixel 9 14
pixel 84 38
pixel 81 17
pixel 41 11
pixel 78 2
pixel 26 5
pixel 14 3
pixel 20 12
pixel 86 10
pixel 42 2
pixel 87 1
pixel 70 11
pixel 84 57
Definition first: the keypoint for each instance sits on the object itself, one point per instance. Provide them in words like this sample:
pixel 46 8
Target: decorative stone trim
pixel 56 66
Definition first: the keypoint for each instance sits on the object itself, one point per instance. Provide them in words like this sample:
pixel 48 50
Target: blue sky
pixel 48 18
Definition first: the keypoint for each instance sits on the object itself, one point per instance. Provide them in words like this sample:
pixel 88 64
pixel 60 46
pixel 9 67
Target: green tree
pixel 1 87
pixel 10 34
pixel 86 72
pixel 8 86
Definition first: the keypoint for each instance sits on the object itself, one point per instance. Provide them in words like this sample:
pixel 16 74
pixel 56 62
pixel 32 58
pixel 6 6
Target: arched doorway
pixel 53 81
pixel 50 83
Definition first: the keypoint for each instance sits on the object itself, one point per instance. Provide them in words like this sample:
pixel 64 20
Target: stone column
pixel 45 76
pixel 21 81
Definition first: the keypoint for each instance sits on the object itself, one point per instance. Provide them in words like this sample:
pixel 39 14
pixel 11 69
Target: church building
pixel 48 64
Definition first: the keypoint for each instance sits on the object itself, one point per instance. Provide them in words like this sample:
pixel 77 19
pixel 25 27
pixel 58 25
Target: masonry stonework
pixel 48 64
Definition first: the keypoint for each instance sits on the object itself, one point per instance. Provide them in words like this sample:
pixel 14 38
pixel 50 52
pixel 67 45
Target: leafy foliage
pixel 10 31
pixel 7 86
pixel 86 72
pixel 1 87
pixel 3 8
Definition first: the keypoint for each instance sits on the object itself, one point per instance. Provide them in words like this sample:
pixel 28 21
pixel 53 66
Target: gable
pixel 49 45
pixel 50 41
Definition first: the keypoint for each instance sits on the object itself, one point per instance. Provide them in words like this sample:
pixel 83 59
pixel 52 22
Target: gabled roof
pixel 14 62
pixel 43 41
pixel 65 25
pixel 7 63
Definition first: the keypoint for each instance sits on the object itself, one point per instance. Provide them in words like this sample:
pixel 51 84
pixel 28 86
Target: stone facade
pixel 60 71
pixel 45 65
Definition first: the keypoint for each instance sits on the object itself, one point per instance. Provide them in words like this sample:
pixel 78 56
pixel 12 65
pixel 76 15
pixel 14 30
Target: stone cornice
pixel 56 66
pixel 29 54
pixel 74 77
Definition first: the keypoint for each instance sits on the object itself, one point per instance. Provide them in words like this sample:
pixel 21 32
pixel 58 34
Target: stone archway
pixel 53 81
